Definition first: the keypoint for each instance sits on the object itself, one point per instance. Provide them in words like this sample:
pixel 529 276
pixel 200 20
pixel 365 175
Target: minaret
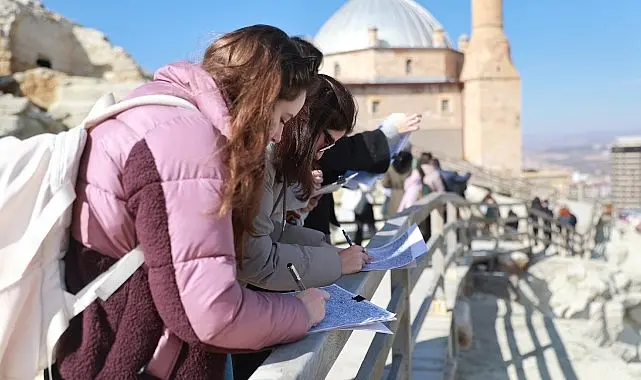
pixel 492 93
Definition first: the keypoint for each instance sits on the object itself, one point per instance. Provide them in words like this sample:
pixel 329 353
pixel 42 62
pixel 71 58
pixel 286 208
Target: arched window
pixel 337 70
pixel 408 66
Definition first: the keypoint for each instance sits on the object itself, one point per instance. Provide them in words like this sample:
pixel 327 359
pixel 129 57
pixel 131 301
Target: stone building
pixel 52 70
pixel 32 36
pixel 396 57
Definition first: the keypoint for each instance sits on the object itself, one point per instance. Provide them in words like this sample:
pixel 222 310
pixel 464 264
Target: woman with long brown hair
pixel 186 186
pixel 329 114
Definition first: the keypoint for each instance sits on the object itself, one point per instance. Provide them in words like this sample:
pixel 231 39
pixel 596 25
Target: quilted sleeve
pixel 173 180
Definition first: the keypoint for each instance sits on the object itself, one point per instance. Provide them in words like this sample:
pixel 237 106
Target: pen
pixel 296 276
pixel 349 241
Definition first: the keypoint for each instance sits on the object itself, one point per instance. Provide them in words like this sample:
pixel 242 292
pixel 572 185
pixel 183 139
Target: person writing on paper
pixel 329 114
pixel 185 185
pixel 368 151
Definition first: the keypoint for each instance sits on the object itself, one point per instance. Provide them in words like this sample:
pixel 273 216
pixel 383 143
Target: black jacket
pixel 367 151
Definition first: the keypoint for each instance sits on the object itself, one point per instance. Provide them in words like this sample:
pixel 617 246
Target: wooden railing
pixel 313 356
pixel 536 226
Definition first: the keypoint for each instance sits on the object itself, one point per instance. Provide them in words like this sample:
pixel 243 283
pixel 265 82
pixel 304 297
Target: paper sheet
pixel 400 252
pixel 342 312
pixel 365 179
pixel 377 327
pixel 368 179
pixel 332 187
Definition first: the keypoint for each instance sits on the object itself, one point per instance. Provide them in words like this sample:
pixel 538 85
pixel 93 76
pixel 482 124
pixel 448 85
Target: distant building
pixel 396 57
pixel 592 188
pixel 625 174
pixel 549 182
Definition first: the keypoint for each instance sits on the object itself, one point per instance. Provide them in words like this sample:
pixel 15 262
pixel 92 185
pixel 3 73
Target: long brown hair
pixel 330 106
pixel 254 67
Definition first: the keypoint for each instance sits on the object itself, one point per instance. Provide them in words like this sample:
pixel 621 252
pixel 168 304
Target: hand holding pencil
pixel 313 299
pixel 353 258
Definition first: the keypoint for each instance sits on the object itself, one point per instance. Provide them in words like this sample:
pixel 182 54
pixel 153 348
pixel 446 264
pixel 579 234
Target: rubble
pixel 607 293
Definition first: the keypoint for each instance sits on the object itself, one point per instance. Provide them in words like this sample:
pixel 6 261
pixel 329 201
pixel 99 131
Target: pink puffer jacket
pixel 154 176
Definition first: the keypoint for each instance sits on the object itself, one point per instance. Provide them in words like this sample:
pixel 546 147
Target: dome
pixel 399 24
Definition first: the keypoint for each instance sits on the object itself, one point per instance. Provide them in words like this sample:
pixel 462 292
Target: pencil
pixel 296 276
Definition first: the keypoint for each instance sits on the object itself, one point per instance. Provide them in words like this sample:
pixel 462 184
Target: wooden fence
pixel 312 357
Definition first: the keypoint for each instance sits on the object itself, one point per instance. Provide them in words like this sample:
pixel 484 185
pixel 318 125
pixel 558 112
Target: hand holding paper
pixel 334 186
pixel 347 311
pixel 400 252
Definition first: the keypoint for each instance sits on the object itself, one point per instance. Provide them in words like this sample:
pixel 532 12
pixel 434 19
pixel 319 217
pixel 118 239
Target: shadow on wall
pixel 40 42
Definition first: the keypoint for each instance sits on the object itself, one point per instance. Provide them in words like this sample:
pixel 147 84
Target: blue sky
pixel 580 61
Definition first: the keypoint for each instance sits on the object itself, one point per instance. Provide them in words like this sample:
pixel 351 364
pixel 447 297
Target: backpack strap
pixel 101 287
pixel 105 108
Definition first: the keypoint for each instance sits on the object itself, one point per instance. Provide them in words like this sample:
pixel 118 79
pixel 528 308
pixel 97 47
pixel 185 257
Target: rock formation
pixel 606 292
pixel 52 70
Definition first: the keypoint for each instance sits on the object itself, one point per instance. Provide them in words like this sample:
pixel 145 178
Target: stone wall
pixel 53 70
pixel 21 118
pixel 440 130
pixel 425 99
pixel 492 94
pixel 492 114
pixel 32 36
pixel 371 64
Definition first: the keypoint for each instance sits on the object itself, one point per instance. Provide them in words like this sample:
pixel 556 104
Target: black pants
pixel 364 216
pixel 360 235
pixel 246 364
pixel 426 228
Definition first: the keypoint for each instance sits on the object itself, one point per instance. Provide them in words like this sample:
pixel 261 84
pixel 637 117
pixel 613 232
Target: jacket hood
pixel 191 82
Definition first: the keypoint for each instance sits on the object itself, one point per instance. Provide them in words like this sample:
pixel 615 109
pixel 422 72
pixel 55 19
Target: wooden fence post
pixel 402 345
pixel 438 261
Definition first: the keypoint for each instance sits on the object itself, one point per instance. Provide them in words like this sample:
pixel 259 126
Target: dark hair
pixel 330 106
pixel 403 162
pixel 309 50
pixel 254 67
pixel 436 163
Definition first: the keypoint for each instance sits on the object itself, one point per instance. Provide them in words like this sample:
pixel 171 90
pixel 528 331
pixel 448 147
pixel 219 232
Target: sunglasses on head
pixel 328 141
